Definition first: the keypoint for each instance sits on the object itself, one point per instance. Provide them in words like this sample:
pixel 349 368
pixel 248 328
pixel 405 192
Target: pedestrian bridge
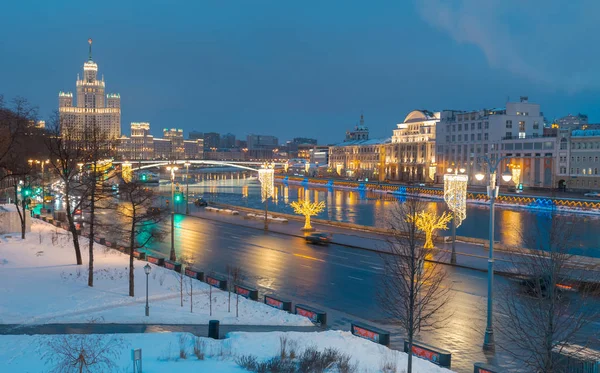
pixel 142 165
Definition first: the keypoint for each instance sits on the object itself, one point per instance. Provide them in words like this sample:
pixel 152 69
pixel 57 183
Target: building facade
pixel 93 106
pixel 411 154
pixel 578 160
pixel 359 159
pixel 464 138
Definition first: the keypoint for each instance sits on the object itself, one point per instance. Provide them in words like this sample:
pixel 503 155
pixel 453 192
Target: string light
pixel 455 195
pixel 266 176
pixel 428 222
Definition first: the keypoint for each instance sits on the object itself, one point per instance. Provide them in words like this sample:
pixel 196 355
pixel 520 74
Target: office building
pixel 464 138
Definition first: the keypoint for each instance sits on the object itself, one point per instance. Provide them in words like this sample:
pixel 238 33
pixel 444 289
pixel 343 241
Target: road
pixel 341 280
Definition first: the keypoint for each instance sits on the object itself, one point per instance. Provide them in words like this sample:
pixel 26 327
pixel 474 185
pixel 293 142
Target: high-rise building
pixel 175 136
pixel 94 108
pixel 195 135
pixel 212 141
pixel 228 140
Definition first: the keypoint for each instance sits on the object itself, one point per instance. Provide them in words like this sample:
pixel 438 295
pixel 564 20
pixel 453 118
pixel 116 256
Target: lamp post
pixel 187 188
pixel 455 195
pixel 172 169
pixel 492 192
pixel 147 269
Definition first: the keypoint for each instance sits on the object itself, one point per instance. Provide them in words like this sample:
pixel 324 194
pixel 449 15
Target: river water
pixel 512 225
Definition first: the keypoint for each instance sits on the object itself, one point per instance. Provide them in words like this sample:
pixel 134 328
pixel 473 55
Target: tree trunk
pixel 307 222
pixel 131 245
pixel 72 227
pixel 23 217
pixel 92 232
pixel 237 303
pixel 428 240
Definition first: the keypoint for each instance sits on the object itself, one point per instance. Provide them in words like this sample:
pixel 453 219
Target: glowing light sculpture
pixel 516 174
pixel 308 209
pixel 126 172
pixel 266 176
pixel 455 195
pixel 428 222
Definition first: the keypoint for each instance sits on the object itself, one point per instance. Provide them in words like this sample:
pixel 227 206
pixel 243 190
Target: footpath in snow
pixel 161 352
pixel 42 284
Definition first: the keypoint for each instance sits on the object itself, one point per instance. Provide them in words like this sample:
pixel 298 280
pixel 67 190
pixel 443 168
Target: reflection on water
pixel 375 209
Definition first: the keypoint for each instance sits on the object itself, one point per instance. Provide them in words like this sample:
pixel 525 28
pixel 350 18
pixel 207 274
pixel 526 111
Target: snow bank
pixel 43 285
pixel 160 352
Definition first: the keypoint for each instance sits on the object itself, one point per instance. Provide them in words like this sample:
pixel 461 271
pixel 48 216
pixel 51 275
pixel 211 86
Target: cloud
pixel 551 43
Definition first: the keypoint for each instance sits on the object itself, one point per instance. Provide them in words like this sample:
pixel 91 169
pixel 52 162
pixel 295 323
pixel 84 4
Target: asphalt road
pixel 343 280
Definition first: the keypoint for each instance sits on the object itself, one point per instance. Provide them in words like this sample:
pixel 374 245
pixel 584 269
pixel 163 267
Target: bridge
pixel 141 165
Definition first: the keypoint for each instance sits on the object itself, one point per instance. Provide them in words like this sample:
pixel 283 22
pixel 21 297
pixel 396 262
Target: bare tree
pixel 413 292
pixel 97 147
pixel 135 206
pixel 67 156
pixel 236 276
pixel 15 149
pixel 80 353
pixel 188 261
pixel 541 318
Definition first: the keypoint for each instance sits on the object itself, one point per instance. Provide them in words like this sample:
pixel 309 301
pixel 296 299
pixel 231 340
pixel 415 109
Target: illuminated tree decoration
pixel 455 195
pixel 428 222
pixel 266 178
pixel 308 209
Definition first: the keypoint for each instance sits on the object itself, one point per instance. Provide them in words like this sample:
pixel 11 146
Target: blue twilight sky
pixel 305 68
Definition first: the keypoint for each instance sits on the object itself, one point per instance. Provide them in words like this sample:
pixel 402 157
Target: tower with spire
pixel 93 106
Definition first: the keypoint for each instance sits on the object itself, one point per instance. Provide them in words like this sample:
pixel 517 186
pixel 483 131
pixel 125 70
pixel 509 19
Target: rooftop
pixel 365 142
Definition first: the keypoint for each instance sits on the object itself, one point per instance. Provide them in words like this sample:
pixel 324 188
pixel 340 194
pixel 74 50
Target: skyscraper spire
pixel 90 42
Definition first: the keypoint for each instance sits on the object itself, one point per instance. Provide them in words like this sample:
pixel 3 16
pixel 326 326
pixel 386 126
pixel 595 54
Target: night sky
pixel 304 68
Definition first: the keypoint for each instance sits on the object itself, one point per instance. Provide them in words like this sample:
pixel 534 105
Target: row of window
pixel 582 159
pixel 460 126
pixel 466 137
pixel 584 171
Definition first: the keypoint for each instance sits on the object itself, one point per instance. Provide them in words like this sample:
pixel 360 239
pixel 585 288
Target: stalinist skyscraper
pixel 93 107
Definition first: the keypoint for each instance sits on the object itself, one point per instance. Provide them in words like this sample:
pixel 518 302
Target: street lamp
pixel 187 188
pixel 266 176
pixel 492 191
pixel 147 269
pixel 455 195
pixel 172 169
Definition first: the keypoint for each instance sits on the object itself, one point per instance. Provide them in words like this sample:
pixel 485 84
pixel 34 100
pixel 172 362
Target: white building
pixel 411 155
pixel 94 108
pixel 463 138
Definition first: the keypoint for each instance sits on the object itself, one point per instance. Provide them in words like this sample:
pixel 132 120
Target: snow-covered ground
pixel 41 284
pixel 161 351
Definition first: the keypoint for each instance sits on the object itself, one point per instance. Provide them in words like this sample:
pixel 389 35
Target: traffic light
pixel 26 192
pixel 143 177
pixel 178 198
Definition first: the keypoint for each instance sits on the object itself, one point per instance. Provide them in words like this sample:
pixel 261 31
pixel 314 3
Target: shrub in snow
pixel 199 347
pixel 84 353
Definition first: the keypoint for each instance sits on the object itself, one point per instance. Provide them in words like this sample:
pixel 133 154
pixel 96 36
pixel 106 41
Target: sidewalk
pixel 468 255
pixel 92 328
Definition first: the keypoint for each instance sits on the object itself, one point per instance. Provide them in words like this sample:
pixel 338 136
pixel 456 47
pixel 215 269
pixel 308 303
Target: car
pixel 318 238
pixel 539 287
pixel 154 210
pixel 592 194
pixel 200 202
